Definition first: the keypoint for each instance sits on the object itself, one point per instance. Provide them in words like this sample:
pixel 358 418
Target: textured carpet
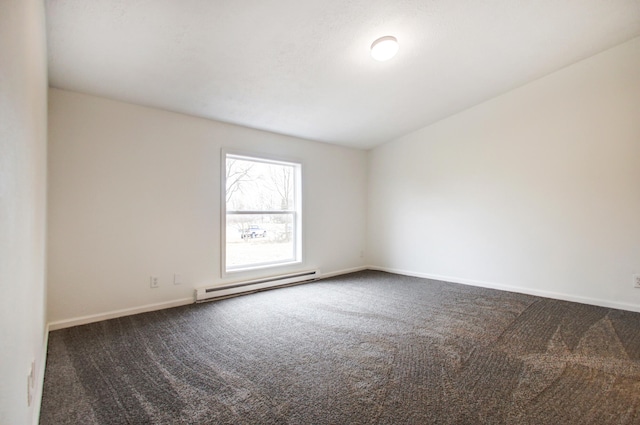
pixel 365 348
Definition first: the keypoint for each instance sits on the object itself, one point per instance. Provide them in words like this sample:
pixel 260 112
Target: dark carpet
pixel 364 348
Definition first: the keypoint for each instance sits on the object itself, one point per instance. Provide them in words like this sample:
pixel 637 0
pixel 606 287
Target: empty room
pixel 319 212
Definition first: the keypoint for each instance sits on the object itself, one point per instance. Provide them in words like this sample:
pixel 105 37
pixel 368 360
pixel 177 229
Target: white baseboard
pixel 61 324
pixel 344 271
pixel 67 323
pixel 41 363
pixel 520 290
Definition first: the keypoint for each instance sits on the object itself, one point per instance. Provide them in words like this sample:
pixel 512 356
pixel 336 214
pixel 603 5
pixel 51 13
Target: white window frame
pixel 259 269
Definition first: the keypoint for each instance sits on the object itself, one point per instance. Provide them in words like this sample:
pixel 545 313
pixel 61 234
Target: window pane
pixel 259 239
pixel 259 186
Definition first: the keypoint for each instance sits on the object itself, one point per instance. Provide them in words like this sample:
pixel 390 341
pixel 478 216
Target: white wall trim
pixel 67 323
pixel 344 271
pixel 39 389
pixel 502 287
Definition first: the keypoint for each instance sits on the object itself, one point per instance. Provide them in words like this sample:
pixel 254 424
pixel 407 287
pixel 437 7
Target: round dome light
pixel 384 48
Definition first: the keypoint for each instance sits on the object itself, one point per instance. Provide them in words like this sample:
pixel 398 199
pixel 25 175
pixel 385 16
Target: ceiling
pixel 302 67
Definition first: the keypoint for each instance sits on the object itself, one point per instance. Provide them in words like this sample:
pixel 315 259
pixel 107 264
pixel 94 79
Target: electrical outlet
pixel 636 280
pixel 177 279
pixel 153 282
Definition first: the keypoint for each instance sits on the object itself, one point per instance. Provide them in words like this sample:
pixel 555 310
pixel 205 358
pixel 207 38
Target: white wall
pixel 23 132
pixel 134 192
pixel 538 189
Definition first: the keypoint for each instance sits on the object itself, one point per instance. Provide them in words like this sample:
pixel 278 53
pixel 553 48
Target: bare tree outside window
pixel 237 176
pixel 282 183
pixel 262 204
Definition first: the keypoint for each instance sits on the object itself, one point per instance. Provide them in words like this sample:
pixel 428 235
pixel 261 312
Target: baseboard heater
pixel 225 291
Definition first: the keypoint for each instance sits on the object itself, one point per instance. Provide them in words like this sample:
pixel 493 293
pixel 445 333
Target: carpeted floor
pixel 365 348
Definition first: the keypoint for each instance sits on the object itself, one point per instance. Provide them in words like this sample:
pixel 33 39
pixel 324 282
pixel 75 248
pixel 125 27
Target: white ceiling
pixel 302 67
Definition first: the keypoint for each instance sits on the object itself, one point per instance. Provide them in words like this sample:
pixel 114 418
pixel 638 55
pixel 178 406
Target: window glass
pixel 262 213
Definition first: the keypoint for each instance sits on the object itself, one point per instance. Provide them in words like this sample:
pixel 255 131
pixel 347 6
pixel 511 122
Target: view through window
pixel 262 206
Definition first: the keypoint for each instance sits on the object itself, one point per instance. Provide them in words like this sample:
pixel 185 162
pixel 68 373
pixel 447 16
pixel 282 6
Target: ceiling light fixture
pixel 384 48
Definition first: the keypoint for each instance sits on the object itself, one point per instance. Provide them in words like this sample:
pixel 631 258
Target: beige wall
pixel 134 192
pixel 23 129
pixel 537 190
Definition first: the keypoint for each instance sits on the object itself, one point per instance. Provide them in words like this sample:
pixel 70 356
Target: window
pixel 262 213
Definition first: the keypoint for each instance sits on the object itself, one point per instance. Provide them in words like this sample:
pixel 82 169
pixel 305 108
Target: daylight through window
pixel 262 211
